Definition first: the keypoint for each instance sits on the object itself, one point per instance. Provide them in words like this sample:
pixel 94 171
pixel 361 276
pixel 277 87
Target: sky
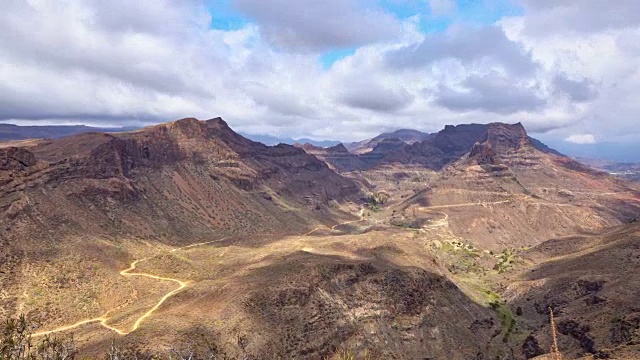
pixel 569 70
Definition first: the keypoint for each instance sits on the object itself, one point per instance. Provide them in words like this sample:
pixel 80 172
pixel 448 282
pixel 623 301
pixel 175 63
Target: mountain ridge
pixel 185 154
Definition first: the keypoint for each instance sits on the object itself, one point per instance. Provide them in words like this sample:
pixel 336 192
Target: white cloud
pixel 581 139
pixel 321 24
pixel 82 61
pixel 442 7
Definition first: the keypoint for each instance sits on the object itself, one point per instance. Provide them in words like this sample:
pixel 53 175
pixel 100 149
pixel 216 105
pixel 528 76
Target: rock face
pixel 390 312
pixel 590 283
pixel 185 179
pixel 482 154
pixel 504 137
pixel 14 158
pixel 434 151
pixel 454 142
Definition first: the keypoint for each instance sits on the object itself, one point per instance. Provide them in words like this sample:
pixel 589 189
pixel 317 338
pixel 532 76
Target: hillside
pixel 186 230
pixel 180 182
pixel 529 193
pixel 184 179
pixel 590 283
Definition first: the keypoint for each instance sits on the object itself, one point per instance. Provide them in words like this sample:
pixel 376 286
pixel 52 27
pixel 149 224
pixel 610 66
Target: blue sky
pixel 226 16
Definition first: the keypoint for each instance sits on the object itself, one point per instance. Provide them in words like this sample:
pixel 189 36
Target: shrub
pixel 16 343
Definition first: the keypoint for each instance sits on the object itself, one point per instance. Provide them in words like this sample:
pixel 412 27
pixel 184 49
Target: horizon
pixel 345 70
pixel 618 153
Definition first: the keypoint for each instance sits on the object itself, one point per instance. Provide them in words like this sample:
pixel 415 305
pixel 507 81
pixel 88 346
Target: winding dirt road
pixel 102 320
pixel 128 273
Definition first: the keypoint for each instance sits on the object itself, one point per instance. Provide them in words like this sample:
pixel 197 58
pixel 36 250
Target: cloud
pixel 442 7
pixel 281 102
pixel 492 94
pixel 321 24
pixel 375 97
pixel 485 46
pixel 581 139
pixel 547 17
pixel 123 62
pixel 587 49
pixel 577 90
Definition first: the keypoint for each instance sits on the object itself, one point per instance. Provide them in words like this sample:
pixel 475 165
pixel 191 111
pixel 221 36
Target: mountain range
pixel 188 235
pixel 21 132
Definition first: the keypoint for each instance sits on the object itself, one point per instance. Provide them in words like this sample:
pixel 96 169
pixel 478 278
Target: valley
pixel 187 236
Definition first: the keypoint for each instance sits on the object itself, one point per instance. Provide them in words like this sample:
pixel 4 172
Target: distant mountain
pixel 407 136
pixel 432 151
pixel 274 140
pixel 625 170
pixel 454 142
pixel 19 132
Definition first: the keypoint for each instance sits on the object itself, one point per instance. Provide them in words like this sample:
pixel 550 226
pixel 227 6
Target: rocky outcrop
pixel 482 154
pixel 14 158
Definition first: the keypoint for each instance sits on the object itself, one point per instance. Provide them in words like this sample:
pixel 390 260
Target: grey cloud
pixel 546 125
pixel 113 39
pixel 321 24
pixel 489 93
pixel 376 98
pixel 577 90
pixel 546 17
pixel 278 101
pixel 467 45
pixel 165 17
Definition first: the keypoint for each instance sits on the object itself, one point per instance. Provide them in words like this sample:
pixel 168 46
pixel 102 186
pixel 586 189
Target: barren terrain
pixel 213 242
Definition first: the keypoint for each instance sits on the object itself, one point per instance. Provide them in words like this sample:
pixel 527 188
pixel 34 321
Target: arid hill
pixel 174 183
pixel 530 193
pixel 186 232
pixel 185 179
pixel 591 284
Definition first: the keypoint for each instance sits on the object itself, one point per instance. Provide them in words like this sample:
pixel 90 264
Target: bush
pixel 16 343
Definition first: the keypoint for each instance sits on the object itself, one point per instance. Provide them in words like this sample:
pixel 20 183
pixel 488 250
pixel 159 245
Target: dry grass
pixel 348 355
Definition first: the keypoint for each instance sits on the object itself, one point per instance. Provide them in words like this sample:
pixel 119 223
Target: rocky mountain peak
pixel 338 149
pixel 504 137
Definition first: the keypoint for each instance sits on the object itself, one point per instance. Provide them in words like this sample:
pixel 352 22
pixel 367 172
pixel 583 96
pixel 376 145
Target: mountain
pixel 182 180
pixel 538 194
pixel 625 152
pixel 274 140
pixel 407 136
pixel 188 237
pixel 338 157
pixel 453 142
pixel 20 132
pixel 414 148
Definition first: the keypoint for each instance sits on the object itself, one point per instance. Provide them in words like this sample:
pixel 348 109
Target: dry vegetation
pixel 454 264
